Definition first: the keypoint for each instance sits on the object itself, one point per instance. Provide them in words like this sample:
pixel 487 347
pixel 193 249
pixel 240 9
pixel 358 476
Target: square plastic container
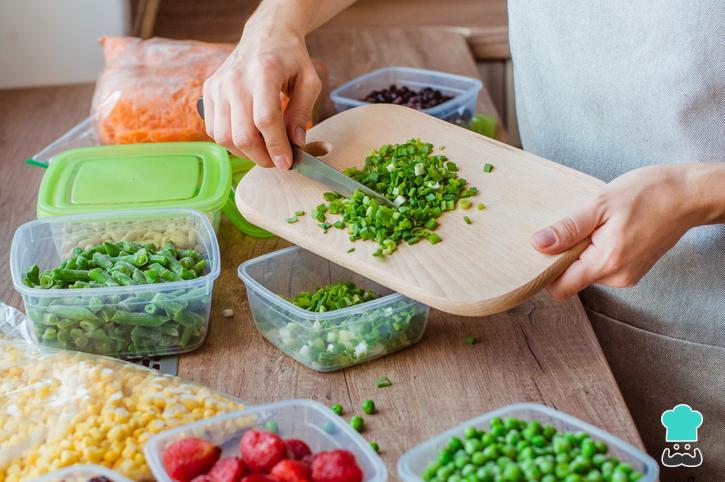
pixel 306 420
pixel 82 473
pixel 335 339
pixel 46 242
pixel 458 110
pixel 194 175
pixel 414 461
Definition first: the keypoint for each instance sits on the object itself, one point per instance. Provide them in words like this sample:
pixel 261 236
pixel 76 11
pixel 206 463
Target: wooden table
pixel 542 351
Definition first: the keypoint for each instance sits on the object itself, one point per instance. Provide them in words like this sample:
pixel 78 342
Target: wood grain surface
pixel 541 351
pixel 480 268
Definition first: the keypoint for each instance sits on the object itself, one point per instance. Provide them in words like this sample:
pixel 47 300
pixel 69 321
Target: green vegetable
pixel 466 219
pixel 481 206
pixel 351 250
pixel 357 423
pixel 271 426
pixel 514 450
pixel 383 382
pixel 465 203
pixel 332 342
pixel 299 213
pixel 141 323
pixel 293 219
pixel 374 445
pixel 420 184
pixel 337 408
pixel 368 406
pixel 471 340
pixel 487 167
pixel 333 297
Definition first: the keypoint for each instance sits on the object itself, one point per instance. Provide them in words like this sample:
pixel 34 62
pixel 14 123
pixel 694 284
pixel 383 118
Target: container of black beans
pixel 445 96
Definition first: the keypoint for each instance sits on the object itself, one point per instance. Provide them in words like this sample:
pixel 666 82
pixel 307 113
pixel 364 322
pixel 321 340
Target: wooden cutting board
pixel 478 269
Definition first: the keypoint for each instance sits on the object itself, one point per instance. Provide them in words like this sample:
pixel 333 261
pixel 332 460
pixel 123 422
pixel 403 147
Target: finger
pixel 580 274
pixel 246 140
pixel 302 100
pixel 222 125
pixel 267 115
pixel 208 110
pixel 567 232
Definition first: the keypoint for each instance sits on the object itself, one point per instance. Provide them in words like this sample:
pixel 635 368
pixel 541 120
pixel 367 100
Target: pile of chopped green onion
pixel 421 185
pixel 333 297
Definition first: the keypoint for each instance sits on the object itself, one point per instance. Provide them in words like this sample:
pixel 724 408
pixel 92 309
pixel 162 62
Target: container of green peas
pixel 326 316
pixel 526 442
pixel 121 283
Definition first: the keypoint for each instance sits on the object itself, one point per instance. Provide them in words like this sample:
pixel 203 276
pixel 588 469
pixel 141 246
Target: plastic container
pixel 82 473
pixel 306 420
pixel 84 135
pixel 458 110
pixel 335 339
pixel 48 241
pixel 414 461
pixel 195 175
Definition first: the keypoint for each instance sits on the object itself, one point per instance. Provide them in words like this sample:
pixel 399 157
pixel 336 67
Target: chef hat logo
pixel 681 423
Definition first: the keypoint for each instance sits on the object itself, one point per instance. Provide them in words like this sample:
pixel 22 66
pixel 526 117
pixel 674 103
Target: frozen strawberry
pixel 291 471
pixel 297 449
pixel 258 478
pixel 336 466
pixel 189 457
pixel 261 450
pixel 202 478
pixel 230 469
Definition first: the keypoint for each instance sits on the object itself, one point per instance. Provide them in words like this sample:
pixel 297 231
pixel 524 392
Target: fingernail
pixel 280 161
pixel 300 135
pixel 543 238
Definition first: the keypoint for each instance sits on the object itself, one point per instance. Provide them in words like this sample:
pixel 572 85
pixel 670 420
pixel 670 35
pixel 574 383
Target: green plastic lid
pixel 194 175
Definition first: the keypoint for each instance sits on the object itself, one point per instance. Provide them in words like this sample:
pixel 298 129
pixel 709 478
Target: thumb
pixel 299 110
pixel 566 232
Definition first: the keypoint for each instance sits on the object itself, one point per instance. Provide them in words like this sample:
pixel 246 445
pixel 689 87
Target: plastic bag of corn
pixel 59 408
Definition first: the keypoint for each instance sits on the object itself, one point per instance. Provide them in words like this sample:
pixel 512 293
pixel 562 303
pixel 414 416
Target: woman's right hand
pixel 242 107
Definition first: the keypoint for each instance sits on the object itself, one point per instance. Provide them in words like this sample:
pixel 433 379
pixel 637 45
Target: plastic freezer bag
pixel 148 90
pixel 59 408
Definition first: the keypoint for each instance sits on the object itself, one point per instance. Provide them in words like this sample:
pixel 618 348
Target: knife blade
pixel 317 169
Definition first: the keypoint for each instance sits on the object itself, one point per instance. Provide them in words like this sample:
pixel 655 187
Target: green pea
pixel 488 438
pixel 511 423
pixel 588 448
pixel 478 458
pixel 624 468
pixel 561 470
pixel 337 408
pixel 573 478
pixel 564 458
pixel 445 456
pixel 455 478
pixel 368 406
pixel 561 445
pixel 498 430
pixel 513 437
pixel 548 478
pixel 491 452
pixel 462 460
pixel 496 421
pixel 455 444
pixel 594 476
pixel 472 477
pixel 374 445
pixel 512 473
pixel 472 445
pixel 430 471
pixel 357 423
pixel 620 477
pixel 467 469
pixel 470 432
pixel 538 441
pixel 509 451
pixel 599 459
pixel 445 471
pixel 602 447
pixel 548 431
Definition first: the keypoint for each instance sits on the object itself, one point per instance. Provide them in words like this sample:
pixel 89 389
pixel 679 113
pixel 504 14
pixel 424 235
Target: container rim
pixel 312 315
pixel 92 468
pixel 152 446
pixel 405 473
pixel 335 95
pixel 212 275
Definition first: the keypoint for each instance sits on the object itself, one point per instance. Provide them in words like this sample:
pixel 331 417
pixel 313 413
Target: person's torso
pixel 606 87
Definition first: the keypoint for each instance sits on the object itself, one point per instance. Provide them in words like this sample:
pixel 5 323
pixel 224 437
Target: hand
pixel 636 219
pixel 242 98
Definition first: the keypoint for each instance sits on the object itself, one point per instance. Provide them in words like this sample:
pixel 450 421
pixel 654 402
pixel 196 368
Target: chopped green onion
pixel 293 219
pixel 467 220
pixel 299 213
pixel 481 206
pixel 434 238
pixel 333 297
pixel 464 204
pixel 487 167
pixel 383 382
pixel 351 250
pixel 471 340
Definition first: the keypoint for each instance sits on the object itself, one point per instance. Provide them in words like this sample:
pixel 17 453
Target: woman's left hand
pixel 633 222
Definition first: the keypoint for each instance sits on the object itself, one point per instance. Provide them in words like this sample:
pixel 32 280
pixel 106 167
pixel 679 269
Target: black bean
pixel 424 98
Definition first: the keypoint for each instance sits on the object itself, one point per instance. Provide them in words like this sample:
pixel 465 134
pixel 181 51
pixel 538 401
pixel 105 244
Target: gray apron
pixel 606 87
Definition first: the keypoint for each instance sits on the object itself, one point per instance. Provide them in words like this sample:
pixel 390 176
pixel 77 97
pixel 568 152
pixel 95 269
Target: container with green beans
pixel 132 283
pixel 325 316
pixel 526 442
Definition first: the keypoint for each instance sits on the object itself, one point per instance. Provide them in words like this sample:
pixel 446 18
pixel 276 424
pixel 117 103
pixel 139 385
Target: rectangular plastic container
pixel 457 110
pixel 195 175
pixel 306 420
pixel 46 242
pixel 335 339
pixel 82 473
pixel 414 461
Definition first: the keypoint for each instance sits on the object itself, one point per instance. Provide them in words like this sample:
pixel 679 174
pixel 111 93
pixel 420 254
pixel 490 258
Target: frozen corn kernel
pixel 63 408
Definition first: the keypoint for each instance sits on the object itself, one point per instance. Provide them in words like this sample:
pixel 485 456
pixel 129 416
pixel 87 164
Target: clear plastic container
pixel 335 339
pixel 458 110
pixel 306 420
pixel 82 473
pixel 82 134
pixel 46 242
pixel 414 461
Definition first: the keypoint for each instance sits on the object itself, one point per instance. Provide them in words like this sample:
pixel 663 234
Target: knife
pixel 317 169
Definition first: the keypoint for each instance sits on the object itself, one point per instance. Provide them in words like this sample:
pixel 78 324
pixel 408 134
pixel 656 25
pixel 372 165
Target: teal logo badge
pixel 681 424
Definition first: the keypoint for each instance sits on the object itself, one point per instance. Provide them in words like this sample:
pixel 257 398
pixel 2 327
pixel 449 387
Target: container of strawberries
pixel 288 441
